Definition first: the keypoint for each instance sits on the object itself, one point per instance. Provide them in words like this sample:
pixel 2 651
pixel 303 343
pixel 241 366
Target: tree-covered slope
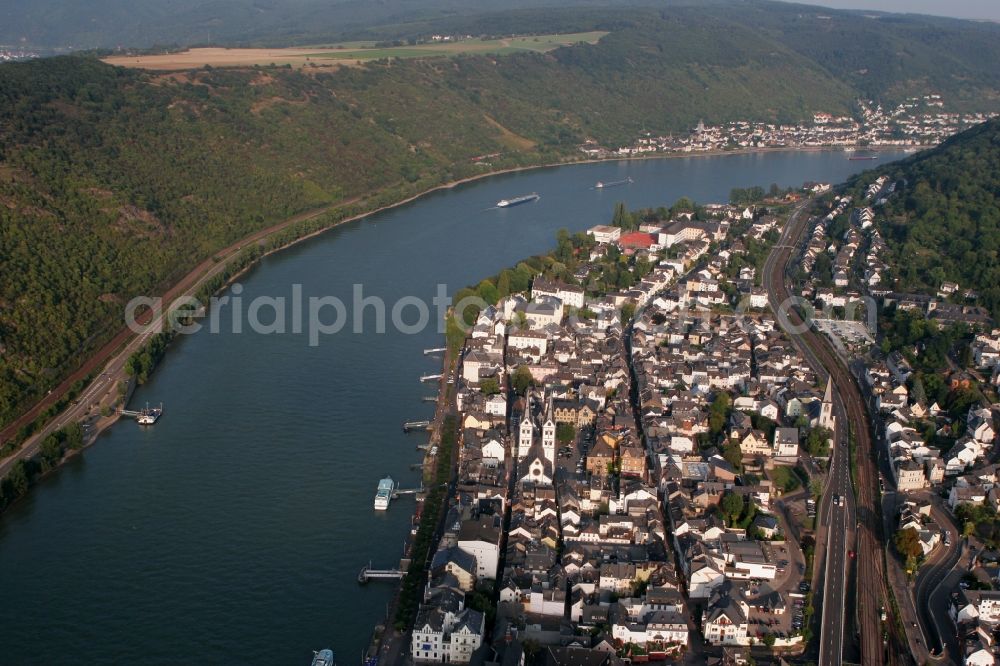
pixel 114 183
pixel 882 56
pixel 943 222
pixel 888 57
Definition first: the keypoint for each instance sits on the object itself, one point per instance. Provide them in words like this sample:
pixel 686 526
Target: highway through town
pixel 835 583
pixel 853 423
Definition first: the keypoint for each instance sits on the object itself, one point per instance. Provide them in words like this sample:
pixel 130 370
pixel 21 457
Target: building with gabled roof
pixel 445 637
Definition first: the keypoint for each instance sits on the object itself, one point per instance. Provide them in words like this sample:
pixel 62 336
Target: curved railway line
pixel 871 585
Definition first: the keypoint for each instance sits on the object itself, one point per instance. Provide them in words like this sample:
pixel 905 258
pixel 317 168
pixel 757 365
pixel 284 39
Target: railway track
pixel 872 592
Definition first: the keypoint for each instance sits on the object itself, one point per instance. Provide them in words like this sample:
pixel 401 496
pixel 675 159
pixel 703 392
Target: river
pixel 233 530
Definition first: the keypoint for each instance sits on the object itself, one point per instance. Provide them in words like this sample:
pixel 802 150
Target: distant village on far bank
pixel 918 122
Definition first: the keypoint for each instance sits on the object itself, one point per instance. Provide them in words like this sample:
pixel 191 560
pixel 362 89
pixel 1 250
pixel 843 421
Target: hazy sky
pixel 977 9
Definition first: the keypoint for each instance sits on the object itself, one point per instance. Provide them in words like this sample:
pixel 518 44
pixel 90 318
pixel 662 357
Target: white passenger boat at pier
pixel 149 415
pixel 384 494
pixel 146 416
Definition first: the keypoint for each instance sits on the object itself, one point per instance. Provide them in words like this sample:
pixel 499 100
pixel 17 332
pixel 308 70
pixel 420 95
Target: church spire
pixel 826 418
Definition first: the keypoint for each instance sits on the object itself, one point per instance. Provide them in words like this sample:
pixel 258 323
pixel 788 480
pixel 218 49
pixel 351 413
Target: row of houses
pixel 908 424
pixel 818 242
pixel 920 122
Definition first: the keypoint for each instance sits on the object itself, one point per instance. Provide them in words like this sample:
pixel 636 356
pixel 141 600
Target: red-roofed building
pixel 637 240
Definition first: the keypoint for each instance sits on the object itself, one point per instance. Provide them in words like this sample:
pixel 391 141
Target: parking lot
pixel 572 458
pixel 846 335
pixel 786 617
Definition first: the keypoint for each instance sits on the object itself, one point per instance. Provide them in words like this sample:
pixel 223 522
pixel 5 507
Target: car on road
pixel 850 554
pixel 836 500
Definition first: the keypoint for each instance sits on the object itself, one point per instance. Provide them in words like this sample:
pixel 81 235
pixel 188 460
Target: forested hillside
pixel 943 222
pixel 115 182
pixel 886 57
pixel 145 23
pixel 890 56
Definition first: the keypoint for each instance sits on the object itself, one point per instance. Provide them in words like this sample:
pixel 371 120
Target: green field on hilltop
pixel 499 46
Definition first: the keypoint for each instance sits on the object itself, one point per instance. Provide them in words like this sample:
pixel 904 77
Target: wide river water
pixel 233 531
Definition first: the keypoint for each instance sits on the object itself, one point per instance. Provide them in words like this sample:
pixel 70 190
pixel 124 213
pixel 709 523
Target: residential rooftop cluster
pixel 844 264
pixel 642 446
pixel 930 384
pixel 739 558
pixel 615 482
pixel 846 271
pixel 11 54
pixel 976 614
pixel 907 421
pixel 917 122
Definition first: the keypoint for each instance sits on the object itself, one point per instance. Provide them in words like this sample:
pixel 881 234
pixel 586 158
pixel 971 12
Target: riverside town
pixel 568 333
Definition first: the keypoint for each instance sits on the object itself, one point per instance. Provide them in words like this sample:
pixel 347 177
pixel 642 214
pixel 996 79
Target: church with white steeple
pixel 826 417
